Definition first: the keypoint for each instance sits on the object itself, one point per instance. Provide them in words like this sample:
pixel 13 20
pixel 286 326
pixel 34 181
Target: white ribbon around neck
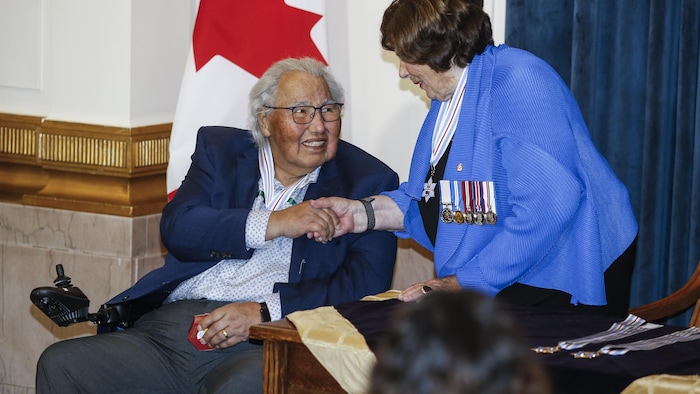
pixel 275 201
pixel 447 119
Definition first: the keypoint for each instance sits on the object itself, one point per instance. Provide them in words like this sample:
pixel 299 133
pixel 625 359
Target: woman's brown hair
pixel 437 33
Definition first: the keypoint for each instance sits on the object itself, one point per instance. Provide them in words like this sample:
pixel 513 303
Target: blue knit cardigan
pixel 563 215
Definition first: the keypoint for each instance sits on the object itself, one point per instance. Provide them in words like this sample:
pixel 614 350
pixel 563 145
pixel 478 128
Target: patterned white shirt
pixel 238 280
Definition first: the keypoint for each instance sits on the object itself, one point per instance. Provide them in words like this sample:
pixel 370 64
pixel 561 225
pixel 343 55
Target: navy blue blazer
pixel 205 223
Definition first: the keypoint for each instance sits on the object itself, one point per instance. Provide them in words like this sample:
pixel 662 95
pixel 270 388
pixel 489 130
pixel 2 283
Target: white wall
pixel 114 63
pixel 24 40
pixel 120 63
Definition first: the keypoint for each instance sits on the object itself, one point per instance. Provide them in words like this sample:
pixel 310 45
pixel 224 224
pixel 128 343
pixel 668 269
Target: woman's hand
pixel 419 290
pixel 352 215
pixel 349 214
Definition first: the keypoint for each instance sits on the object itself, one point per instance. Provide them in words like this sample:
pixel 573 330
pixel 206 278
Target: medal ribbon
pixel 274 201
pixel 490 198
pixel 447 119
pixel 445 194
pixel 466 196
pixel 477 197
pixel 456 194
pixel 628 327
pixel 687 335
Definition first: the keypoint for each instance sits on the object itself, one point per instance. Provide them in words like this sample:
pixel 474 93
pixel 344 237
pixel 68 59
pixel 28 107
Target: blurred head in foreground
pixel 461 342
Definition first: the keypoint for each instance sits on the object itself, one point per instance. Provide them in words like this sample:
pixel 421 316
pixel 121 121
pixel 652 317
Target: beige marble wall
pixel 103 255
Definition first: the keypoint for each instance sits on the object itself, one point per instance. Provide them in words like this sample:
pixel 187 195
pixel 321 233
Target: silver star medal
pixel 429 189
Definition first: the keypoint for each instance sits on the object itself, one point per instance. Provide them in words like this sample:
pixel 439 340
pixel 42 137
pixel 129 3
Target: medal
pixel 467 197
pixel 429 186
pixel 428 189
pixel 446 200
pixel 478 213
pixel 479 219
pixel 446 215
pixel 491 216
pixel 469 217
pixel 458 215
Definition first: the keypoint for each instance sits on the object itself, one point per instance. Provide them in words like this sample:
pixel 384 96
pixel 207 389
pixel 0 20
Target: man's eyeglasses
pixel 303 114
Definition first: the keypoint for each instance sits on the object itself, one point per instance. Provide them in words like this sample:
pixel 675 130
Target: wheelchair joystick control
pixel 64 304
pixel 61 280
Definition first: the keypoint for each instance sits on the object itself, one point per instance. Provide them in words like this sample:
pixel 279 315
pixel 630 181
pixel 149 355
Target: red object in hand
pixel 194 334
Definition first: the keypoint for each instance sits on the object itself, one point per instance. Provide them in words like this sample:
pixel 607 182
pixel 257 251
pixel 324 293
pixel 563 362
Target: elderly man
pixel 241 241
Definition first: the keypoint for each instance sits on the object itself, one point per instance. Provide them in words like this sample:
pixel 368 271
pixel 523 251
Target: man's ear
pixel 264 124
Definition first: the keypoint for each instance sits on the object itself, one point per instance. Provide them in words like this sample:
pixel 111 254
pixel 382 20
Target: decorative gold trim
pixel 152 152
pixel 92 152
pixel 82 167
pixel 18 141
pixel 18 138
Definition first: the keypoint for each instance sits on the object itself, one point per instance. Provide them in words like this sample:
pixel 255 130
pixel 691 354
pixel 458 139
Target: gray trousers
pixel 152 357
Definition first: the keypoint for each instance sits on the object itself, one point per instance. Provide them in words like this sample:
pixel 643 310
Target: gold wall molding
pixel 83 167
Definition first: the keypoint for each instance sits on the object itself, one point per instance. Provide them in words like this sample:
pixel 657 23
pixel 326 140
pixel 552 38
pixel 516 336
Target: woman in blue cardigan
pixel 505 187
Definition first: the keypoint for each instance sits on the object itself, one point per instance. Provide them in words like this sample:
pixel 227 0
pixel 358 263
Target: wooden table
pixel 289 366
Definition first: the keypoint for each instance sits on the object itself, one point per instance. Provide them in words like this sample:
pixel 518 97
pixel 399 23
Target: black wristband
pixel 264 312
pixel 367 202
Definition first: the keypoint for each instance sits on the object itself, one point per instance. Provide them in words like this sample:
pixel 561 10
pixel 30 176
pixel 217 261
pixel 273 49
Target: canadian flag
pixel 233 43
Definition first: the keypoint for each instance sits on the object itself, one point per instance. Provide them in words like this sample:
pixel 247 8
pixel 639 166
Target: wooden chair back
pixel 675 303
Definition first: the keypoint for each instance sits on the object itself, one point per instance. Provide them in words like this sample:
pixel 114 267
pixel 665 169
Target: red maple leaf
pixel 252 34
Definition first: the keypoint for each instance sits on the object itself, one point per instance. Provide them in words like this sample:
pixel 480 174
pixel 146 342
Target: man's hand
pixel 350 214
pixel 301 219
pixel 415 292
pixel 230 324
